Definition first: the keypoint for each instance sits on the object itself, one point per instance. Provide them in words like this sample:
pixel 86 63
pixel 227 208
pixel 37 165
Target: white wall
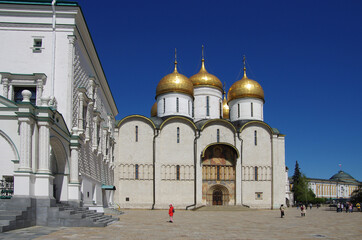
pixel 215 98
pixel 246 111
pixel 185 105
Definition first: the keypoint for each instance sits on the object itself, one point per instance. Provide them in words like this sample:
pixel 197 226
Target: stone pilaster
pixel 5 83
pixel 44 147
pixel 238 181
pixel 25 143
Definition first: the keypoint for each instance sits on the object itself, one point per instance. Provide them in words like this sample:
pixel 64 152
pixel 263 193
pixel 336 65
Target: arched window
pixel 207 106
pixel 177 105
pixel 218 135
pixel 255 138
pixel 178 135
pixel 251 109
pixel 256 173
pixel 178 172
pixel 136 172
pixel 136 133
pixel 238 110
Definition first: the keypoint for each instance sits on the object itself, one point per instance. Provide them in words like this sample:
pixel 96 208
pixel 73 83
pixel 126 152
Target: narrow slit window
pixel 188 107
pixel 207 106
pixel 252 109
pixel 178 172
pixel 177 105
pixel 136 133
pixel 255 138
pixel 164 105
pixel 193 111
pixel 218 173
pixel 238 110
pixel 178 135
pixel 218 135
pixel 256 174
pixel 136 172
pixel 220 109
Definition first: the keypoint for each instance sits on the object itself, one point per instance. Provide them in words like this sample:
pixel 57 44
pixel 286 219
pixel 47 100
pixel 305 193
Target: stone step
pixel 223 208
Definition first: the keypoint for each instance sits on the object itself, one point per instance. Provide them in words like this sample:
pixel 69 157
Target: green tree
pixel 300 186
pixel 296 176
pixel 356 196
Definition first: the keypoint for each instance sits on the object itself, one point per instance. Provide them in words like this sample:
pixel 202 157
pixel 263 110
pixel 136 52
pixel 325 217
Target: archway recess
pixel 218 174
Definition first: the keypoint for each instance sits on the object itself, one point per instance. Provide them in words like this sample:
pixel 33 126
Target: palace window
pixel 18 97
pixel 178 135
pixel 164 105
pixel 136 133
pixel 85 109
pixel 256 173
pixel 178 172
pixel 177 105
pixel 207 106
pixel 238 110
pixel 218 135
pixel 136 172
pixel 218 173
pixel 251 109
pixel 255 138
pixel 37 45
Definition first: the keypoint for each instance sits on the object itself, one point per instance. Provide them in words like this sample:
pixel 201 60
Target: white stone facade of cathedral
pixel 189 153
pixel 57 113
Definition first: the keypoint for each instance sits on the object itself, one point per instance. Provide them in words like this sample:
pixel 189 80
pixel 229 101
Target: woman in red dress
pixel 170 212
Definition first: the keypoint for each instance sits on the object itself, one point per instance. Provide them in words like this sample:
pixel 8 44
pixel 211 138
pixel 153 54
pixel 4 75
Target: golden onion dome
pixel 203 78
pixel 154 110
pixel 225 108
pixel 175 82
pixel 245 88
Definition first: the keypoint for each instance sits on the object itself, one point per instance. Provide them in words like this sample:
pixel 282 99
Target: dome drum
pixel 174 103
pixel 246 109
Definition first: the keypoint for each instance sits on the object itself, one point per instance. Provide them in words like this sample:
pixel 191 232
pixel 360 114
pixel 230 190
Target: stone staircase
pixel 15 214
pixel 69 216
pixel 21 213
pixel 224 208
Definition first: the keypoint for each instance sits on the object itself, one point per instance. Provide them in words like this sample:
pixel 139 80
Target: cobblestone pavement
pixel 258 224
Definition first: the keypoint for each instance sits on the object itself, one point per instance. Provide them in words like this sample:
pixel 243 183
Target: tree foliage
pixel 357 196
pixel 301 191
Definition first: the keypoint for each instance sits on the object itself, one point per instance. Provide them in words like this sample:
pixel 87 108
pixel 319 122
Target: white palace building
pixel 60 141
pixel 57 113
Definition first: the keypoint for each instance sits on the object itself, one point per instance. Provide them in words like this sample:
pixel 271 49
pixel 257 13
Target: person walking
pixel 350 208
pixel 171 210
pixel 358 205
pixel 303 210
pixel 282 209
pixel 310 205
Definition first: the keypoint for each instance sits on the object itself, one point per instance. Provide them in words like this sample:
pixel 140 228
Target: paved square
pixel 258 224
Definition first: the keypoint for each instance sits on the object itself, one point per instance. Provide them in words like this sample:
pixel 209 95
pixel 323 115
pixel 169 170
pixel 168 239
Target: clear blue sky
pixel 307 55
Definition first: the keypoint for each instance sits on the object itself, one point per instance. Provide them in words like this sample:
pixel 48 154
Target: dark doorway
pixel 217 197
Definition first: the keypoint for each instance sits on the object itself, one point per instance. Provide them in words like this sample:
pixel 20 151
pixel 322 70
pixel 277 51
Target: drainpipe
pixel 154 168
pixel 53 50
pixel 241 160
pixel 197 136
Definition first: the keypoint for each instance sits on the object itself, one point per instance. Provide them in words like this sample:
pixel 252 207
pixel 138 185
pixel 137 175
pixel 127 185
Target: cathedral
pixel 200 147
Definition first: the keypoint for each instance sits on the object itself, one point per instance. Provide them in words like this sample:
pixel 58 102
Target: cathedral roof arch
pixel 220 143
pixel 220 121
pixel 136 116
pixel 180 118
pixel 272 131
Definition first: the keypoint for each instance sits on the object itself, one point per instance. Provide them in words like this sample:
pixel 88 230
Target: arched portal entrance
pixel 218 174
pixel 59 169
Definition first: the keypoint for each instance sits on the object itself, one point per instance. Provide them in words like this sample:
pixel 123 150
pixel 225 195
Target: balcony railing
pixel 6 189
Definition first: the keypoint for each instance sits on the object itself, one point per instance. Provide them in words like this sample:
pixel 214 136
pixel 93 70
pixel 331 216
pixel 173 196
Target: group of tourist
pixel 348 206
